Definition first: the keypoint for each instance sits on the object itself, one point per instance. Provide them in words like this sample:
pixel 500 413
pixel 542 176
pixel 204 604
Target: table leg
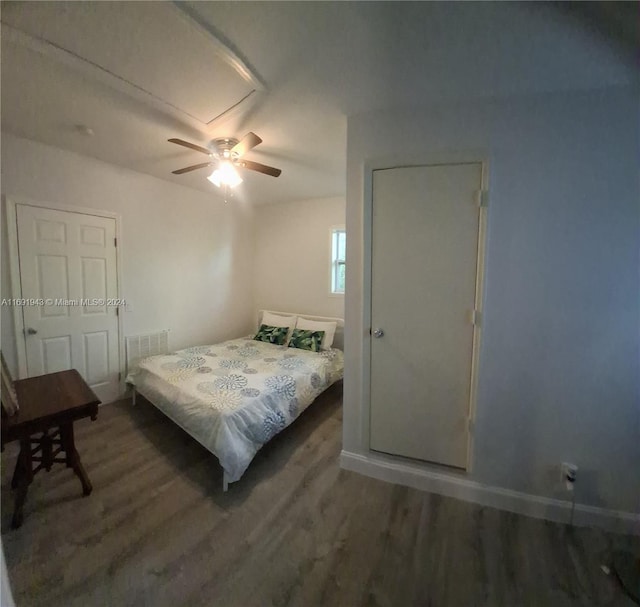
pixel 15 479
pixel 72 457
pixel 24 478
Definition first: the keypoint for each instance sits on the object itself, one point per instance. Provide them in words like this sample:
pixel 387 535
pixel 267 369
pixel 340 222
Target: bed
pixel 233 397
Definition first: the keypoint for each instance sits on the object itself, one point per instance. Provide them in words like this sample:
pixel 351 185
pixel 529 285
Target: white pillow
pixel 275 320
pixel 329 328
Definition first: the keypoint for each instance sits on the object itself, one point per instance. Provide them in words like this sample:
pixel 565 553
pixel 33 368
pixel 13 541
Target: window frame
pixel 335 263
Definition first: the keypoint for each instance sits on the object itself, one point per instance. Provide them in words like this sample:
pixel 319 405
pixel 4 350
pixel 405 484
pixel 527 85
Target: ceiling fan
pixel 226 154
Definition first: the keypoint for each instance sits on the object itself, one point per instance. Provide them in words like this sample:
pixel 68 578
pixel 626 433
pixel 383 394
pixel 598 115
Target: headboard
pixel 338 340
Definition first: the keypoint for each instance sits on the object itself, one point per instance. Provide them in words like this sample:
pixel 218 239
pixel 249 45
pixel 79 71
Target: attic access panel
pixel 152 46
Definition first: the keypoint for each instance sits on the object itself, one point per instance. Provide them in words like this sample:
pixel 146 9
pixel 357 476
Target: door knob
pixel 31 331
pixel 378 333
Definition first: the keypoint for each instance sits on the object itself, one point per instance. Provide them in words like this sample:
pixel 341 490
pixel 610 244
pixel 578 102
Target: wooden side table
pixel 49 404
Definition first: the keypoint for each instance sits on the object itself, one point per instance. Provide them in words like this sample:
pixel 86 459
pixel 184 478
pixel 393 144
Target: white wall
pixel 293 256
pixel 187 256
pixel 559 356
pixel 6 596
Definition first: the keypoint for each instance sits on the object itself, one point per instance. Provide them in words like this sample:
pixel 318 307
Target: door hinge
pixel 475 318
pixel 119 375
pixel 117 310
pixel 482 198
pixel 115 242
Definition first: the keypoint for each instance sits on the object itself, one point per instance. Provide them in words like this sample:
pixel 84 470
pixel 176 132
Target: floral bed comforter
pixel 235 396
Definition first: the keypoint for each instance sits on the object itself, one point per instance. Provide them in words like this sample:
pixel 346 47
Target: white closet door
pixel 70 258
pixel 425 228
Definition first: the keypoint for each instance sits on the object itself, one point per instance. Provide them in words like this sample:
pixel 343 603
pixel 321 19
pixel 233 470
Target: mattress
pixel 233 397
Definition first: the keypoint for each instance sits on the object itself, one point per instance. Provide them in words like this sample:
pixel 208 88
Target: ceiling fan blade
pixel 193 167
pixel 192 146
pixel 248 142
pixel 261 168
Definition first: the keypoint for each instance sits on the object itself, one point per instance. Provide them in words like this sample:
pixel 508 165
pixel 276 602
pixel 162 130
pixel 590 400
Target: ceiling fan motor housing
pixel 224 145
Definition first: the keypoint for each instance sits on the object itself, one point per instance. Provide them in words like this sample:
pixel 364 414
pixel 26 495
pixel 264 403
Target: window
pixel 338 259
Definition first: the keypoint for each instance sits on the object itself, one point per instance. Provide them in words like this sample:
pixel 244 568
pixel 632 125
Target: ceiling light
pixel 225 174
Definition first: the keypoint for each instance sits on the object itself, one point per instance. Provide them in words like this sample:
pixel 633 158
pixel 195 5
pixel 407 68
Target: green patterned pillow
pixel 272 335
pixel 306 340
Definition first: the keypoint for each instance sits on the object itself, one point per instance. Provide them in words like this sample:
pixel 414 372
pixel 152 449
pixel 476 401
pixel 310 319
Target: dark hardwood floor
pixel 296 530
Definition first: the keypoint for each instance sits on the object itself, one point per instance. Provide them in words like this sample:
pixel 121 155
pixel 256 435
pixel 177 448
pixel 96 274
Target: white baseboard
pixel 487 495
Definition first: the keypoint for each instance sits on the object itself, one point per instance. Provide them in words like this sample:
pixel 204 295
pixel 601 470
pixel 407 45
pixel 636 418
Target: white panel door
pixel 425 226
pixel 69 261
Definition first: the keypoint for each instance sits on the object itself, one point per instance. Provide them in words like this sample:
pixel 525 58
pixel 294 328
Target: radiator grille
pixel 141 346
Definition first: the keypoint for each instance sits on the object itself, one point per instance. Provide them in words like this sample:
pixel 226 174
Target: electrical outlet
pixel 569 474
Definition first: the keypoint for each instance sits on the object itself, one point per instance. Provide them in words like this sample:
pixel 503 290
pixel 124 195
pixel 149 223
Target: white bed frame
pixel 338 342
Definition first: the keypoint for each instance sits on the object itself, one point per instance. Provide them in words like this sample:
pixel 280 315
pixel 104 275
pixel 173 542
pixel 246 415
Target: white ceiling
pixel 138 73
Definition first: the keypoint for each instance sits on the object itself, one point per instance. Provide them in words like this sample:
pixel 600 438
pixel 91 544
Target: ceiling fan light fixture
pixel 225 174
pixel 228 153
